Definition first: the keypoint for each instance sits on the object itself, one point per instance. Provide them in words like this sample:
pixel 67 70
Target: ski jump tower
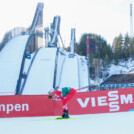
pixel 36 28
pixel 131 21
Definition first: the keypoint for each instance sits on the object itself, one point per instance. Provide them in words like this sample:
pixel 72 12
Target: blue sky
pixel 107 18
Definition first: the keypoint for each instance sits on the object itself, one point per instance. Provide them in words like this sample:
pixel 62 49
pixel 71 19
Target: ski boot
pixel 65 115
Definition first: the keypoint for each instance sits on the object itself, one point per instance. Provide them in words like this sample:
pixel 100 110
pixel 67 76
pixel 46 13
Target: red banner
pixel 106 101
pixel 25 106
pixel 103 101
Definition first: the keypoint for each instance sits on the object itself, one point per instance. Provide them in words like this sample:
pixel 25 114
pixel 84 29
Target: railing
pixel 11 34
pixel 21 74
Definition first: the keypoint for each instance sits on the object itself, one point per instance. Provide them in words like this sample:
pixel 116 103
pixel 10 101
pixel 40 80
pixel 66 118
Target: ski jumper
pixel 65 95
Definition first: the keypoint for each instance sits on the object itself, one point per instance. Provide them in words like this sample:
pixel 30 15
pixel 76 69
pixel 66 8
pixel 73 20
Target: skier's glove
pixel 50 97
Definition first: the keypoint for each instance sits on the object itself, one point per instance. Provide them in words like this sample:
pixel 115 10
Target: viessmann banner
pixel 103 101
pixel 83 103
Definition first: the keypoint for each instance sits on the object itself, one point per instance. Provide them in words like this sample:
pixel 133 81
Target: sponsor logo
pixel 113 100
pixel 13 107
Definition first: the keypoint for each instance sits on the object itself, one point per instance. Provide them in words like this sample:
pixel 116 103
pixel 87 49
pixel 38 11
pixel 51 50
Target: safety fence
pixel 106 101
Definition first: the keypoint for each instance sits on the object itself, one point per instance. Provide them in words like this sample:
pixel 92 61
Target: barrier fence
pixel 105 101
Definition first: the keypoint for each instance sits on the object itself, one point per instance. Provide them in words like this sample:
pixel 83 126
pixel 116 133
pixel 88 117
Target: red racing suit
pixel 58 97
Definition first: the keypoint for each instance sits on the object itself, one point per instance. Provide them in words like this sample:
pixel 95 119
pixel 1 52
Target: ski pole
pixel 82 88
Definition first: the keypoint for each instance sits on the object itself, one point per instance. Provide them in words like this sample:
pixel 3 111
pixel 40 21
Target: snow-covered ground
pixel 111 123
pixel 122 67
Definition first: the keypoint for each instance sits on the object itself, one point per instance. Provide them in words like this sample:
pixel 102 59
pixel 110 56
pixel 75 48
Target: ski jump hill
pixel 47 68
pixel 43 69
pixel 26 77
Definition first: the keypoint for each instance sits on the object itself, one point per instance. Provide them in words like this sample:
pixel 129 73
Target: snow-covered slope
pixel 40 78
pixel 48 69
pixel 112 123
pixel 69 76
pixel 122 67
pixel 10 62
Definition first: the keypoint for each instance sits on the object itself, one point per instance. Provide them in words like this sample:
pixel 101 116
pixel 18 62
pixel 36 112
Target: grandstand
pixel 118 81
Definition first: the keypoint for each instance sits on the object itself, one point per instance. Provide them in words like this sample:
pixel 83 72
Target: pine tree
pixel 82 45
pixel 132 47
pixel 118 48
pixel 115 52
pixel 126 48
pixel 107 60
